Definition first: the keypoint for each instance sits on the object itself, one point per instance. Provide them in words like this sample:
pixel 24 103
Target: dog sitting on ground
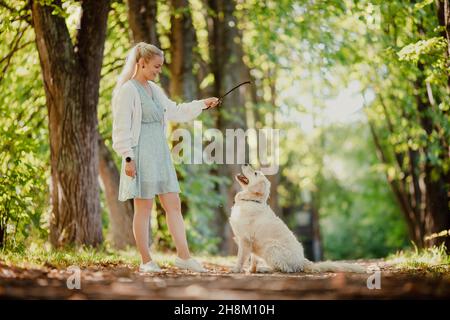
pixel 259 233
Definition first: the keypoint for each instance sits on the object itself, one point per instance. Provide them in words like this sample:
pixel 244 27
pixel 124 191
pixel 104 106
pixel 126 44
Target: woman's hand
pixel 211 102
pixel 130 169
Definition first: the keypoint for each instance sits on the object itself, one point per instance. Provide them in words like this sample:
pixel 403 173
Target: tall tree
pixel 142 17
pixel 120 213
pixel 418 158
pixel 229 70
pixel 443 13
pixel 71 74
pixel 183 84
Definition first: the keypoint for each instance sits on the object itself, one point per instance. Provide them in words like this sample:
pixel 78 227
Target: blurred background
pixel 358 89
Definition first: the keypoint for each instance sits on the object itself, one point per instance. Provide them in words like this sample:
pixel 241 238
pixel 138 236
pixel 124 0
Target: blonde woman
pixel 140 114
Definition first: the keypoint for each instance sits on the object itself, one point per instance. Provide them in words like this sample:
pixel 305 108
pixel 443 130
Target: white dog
pixel 260 233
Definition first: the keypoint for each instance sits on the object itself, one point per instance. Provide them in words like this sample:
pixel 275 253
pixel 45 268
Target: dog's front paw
pixel 263 269
pixel 236 270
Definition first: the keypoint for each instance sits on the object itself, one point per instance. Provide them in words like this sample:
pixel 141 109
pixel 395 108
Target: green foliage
pixel 432 46
pixel 40 254
pixel 394 50
pixel 198 189
pixel 319 49
pixel 24 170
pixel 435 260
pixel 360 217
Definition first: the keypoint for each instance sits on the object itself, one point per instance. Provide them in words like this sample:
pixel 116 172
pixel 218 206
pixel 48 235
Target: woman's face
pixel 153 67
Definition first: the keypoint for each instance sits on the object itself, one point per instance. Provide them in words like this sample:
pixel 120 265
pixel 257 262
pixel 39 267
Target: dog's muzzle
pixel 242 178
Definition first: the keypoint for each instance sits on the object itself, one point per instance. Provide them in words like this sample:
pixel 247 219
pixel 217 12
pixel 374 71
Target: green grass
pixel 434 260
pixel 39 255
pixel 36 256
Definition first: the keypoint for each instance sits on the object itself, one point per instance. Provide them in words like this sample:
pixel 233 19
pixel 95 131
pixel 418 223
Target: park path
pixel 123 282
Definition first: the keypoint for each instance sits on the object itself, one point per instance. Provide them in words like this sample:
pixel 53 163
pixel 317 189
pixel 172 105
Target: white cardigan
pixel 127 115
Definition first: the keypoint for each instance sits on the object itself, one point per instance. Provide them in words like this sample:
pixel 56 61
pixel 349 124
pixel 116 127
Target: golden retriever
pixel 260 233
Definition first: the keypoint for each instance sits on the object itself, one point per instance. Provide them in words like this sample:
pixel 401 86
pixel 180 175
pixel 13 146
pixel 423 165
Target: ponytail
pixel 141 50
pixel 128 71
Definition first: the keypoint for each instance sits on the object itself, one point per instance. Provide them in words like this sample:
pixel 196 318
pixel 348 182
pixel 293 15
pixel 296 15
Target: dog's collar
pixel 251 200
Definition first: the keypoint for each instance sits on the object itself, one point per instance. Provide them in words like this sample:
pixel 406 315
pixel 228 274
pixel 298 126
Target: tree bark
pixel 120 213
pixel 120 228
pixel 423 193
pixel 142 19
pixel 183 83
pixel 275 178
pixel 443 13
pixel 414 233
pixel 409 189
pixel 142 16
pixel 437 217
pixel 228 70
pixel 71 75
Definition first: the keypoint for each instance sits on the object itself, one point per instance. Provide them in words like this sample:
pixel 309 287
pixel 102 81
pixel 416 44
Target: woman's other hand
pixel 130 169
pixel 211 102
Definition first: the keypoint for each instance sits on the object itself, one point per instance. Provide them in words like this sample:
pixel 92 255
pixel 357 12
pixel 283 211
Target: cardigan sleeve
pixel 122 135
pixel 182 112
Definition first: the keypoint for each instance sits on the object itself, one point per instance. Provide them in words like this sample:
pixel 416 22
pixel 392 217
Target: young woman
pixel 140 114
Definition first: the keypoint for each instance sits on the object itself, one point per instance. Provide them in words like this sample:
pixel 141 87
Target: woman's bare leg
pixel 172 206
pixel 141 225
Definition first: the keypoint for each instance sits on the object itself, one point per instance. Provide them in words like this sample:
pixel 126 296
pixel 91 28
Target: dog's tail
pixel 331 266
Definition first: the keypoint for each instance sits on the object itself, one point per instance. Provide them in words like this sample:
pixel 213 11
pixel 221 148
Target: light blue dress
pixel 155 171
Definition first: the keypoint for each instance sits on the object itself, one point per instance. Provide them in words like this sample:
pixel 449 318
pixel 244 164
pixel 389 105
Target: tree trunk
pixel 183 84
pixel 142 18
pixel 414 231
pixel 444 20
pixel 443 13
pixel 71 75
pixel 409 191
pixel 275 178
pixel 228 70
pixel 120 213
pixel 437 217
pixel 423 192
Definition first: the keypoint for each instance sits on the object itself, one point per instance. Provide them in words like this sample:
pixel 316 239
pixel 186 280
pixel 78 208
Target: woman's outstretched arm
pixel 182 112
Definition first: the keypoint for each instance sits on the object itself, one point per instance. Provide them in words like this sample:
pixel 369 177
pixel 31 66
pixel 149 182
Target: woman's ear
pixel 141 63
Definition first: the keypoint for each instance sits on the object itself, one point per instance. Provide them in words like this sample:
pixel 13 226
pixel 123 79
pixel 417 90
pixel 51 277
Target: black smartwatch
pixel 128 159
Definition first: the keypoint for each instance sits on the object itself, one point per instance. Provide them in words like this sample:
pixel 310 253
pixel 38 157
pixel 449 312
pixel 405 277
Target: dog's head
pixel 254 184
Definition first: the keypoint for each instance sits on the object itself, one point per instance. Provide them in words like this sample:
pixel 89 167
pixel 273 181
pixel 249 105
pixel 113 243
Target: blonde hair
pixel 141 50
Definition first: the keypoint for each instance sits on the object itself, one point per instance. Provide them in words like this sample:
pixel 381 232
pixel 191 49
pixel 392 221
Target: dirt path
pixel 123 282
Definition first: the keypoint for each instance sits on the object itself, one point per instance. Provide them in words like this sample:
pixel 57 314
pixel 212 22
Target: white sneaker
pixel 189 264
pixel 150 266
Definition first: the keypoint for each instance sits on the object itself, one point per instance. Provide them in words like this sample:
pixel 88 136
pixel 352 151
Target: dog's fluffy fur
pixel 260 233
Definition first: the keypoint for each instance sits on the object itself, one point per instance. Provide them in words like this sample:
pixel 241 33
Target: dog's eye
pixel 256 173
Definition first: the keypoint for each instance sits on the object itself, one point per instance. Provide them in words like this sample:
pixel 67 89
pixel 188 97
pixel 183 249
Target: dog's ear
pixel 257 188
